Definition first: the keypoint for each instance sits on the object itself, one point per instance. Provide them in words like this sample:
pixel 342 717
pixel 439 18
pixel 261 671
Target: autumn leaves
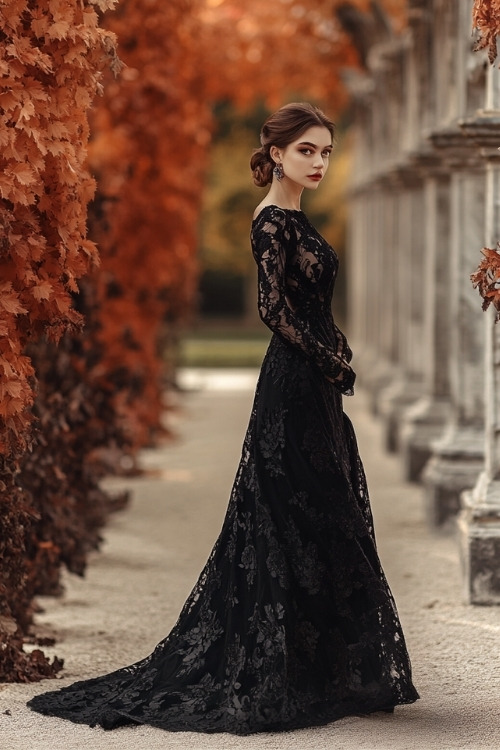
pixel 51 59
pixel 51 62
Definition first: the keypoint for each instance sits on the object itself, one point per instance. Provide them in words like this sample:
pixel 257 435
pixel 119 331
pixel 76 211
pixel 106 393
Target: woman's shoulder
pixel 266 210
pixel 274 224
pixel 271 210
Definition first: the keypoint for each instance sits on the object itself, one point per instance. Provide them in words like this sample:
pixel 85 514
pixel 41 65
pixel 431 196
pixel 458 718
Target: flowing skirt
pixel 292 622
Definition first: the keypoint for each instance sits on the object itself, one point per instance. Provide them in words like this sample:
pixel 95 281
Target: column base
pixel 393 401
pixel 479 539
pixel 374 373
pixel 380 375
pixel 422 424
pixel 457 461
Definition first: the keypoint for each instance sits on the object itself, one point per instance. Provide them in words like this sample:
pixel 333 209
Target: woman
pixel 291 623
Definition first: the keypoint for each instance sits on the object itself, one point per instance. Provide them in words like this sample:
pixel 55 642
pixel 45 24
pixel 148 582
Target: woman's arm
pixel 269 248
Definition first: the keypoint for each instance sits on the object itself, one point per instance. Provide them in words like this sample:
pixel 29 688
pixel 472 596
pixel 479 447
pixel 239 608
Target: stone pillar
pixel 373 241
pixel 479 521
pixel 407 376
pixel 381 265
pixel 457 457
pixel 356 277
pixel 388 293
pixel 357 228
pixel 405 326
pixel 424 422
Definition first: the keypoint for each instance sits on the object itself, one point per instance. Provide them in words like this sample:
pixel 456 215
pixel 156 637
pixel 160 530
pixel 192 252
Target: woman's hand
pixel 344 381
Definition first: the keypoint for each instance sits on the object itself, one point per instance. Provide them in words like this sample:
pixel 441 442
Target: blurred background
pixel 171 142
pixel 225 328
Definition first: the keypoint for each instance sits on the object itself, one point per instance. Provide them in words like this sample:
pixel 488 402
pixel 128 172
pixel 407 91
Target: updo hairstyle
pixel 280 129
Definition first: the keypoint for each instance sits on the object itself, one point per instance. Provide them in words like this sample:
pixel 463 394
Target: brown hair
pixel 280 129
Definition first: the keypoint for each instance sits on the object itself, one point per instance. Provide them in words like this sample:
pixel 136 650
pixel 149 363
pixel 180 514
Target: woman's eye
pixel 306 151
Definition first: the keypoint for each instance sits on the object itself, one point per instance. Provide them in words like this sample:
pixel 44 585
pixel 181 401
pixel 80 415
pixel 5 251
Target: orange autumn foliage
pixel 486 278
pixel 51 58
pixel 486 19
pixel 152 129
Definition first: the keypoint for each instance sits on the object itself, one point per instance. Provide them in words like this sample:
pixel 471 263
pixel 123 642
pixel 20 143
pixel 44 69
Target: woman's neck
pixel 286 194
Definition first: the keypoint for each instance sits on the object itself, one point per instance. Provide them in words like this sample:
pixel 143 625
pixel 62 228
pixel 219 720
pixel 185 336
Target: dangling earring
pixel 278 172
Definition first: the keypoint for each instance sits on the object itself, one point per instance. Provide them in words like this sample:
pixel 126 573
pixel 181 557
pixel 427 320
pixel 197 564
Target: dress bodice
pixel 297 270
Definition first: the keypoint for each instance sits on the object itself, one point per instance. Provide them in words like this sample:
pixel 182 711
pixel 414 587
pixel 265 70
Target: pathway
pixel 153 552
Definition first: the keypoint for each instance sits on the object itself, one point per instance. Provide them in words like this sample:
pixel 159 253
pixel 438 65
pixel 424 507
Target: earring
pixel 278 172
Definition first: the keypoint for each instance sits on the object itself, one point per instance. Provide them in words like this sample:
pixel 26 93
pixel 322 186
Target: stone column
pixel 479 521
pixel 357 233
pixel 404 336
pixel 457 457
pixel 356 276
pixel 424 422
pixel 373 244
pixel 407 378
pixel 390 259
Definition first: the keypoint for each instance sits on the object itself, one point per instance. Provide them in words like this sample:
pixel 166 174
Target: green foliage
pixel 222 351
pixel 230 196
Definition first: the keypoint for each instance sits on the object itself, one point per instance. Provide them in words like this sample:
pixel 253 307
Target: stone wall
pixel 425 199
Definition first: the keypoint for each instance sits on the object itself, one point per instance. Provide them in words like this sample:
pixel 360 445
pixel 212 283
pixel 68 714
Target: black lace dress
pixel 291 622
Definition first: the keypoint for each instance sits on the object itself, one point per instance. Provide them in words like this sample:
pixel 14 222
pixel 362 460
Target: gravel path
pixel 154 551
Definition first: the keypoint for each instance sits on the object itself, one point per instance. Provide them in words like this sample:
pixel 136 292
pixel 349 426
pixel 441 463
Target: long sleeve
pixel 269 241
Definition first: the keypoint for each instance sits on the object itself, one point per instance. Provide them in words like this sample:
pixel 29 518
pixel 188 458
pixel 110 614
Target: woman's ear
pixel 275 154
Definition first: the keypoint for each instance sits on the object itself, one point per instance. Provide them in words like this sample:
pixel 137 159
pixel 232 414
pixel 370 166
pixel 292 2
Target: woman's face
pixel 305 161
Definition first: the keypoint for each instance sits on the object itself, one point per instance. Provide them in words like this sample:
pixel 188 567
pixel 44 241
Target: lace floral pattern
pixel 291 622
pixel 297 270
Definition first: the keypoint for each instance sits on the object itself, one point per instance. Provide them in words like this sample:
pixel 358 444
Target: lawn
pixel 222 350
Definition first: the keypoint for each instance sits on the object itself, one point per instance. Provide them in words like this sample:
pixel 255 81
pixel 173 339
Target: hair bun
pixel 262 167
